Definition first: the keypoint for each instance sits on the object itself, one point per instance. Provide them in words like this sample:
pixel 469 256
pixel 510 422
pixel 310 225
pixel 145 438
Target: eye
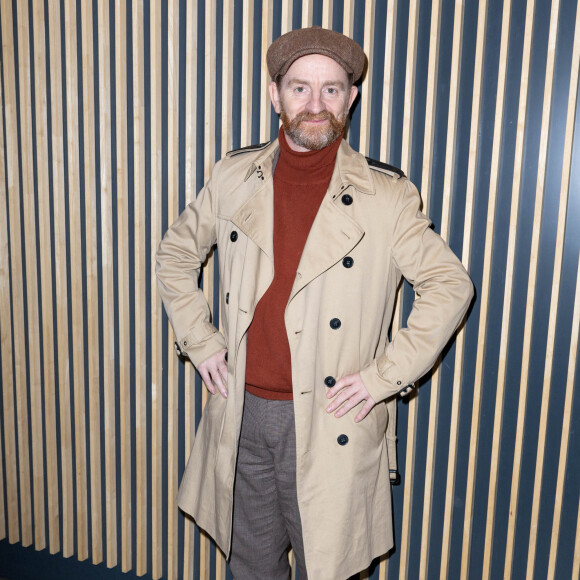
pixel 332 91
pixel 300 89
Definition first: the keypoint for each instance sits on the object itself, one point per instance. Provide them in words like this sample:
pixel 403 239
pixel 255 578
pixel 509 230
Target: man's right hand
pixel 214 372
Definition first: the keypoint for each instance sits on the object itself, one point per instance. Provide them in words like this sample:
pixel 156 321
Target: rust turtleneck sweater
pixel 300 182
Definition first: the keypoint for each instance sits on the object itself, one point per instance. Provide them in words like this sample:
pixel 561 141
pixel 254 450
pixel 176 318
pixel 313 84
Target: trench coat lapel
pixel 334 232
pixel 255 218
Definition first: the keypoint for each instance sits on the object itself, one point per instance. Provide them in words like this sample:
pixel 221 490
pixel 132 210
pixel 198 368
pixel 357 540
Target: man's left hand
pixel 349 392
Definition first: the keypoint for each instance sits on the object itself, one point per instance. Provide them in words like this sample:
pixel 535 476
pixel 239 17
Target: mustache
pixel 306 116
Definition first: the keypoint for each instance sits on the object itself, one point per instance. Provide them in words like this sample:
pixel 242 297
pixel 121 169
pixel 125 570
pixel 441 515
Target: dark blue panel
pixel 378 65
pixel 398 105
pixel 219 82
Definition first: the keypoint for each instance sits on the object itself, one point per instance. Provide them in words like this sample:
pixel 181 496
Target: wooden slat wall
pixel 112 115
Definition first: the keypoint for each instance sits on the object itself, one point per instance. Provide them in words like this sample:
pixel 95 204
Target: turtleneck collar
pixel 305 167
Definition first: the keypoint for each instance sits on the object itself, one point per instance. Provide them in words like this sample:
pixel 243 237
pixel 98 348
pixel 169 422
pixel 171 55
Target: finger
pixel 205 377
pixel 349 404
pixel 366 409
pixel 343 396
pixel 338 387
pixel 219 383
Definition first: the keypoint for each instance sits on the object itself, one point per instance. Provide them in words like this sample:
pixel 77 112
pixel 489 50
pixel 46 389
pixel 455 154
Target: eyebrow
pixel 337 83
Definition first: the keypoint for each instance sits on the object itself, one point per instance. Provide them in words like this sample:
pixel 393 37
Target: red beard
pixel 316 137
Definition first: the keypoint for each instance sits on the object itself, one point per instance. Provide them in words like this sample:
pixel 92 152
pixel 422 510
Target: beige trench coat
pixel 342 468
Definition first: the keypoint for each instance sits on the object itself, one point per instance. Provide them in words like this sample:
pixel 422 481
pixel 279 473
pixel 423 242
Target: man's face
pixel 313 99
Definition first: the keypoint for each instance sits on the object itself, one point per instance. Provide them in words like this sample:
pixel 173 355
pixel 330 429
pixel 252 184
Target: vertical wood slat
pixel 190 186
pixel 107 276
pixel 172 420
pixel 141 389
pixel 409 90
pixel 76 266
pixel 572 363
pixel 531 293
pixel 566 422
pixel 565 192
pixel 61 290
pixel 45 261
pixel 559 251
pixel 509 281
pixel 327 6
pixel 307 12
pixel 388 80
pixel 156 388
pixel 287 6
pixel 576 561
pixel 367 85
pixel 348 16
pixel 430 110
pixel 13 369
pixel 410 68
pixel 32 387
pixel 121 169
pixel 265 106
pixel 6 375
pixel 210 82
pixel 7 151
pixel 227 78
pixel 247 71
pixel 92 281
pixel 487 260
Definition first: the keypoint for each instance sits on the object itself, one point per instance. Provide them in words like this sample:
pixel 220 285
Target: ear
pixel 353 94
pixel 274 96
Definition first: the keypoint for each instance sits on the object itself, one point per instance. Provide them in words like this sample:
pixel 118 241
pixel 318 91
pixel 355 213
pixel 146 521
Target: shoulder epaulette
pixel 247 149
pixel 385 167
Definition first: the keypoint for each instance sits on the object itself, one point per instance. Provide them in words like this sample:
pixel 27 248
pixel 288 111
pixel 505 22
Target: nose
pixel 315 104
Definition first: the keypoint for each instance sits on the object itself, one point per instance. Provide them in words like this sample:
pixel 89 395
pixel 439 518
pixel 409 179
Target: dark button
pixel 346 199
pixel 342 439
pixel 398 382
pixel 330 381
pixel 335 323
pixel 227 297
pixel 348 262
pixel 234 236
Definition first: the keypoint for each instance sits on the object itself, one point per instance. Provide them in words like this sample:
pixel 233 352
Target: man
pixel 313 240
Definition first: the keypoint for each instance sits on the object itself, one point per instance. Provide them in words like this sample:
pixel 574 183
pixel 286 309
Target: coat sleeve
pixel 179 258
pixel 443 292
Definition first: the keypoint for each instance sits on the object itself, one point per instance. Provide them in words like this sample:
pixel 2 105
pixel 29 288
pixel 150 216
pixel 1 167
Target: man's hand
pixel 214 372
pixel 349 392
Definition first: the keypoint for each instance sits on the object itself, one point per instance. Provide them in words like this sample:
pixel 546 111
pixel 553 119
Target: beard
pixel 313 138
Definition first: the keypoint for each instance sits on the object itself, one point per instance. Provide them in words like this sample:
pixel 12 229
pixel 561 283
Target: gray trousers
pixel 266 519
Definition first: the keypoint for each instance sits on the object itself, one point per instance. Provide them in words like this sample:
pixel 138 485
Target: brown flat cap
pixel 296 43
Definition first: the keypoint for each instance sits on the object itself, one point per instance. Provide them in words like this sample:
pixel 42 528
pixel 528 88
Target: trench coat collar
pixel 256 216
pixel 351 167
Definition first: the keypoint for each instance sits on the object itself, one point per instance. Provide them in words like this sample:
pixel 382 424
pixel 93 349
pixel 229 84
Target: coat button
pixel 346 199
pixel 227 297
pixel 342 439
pixel 330 381
pixel 234 236
pixel 335 323
pixel 348 262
